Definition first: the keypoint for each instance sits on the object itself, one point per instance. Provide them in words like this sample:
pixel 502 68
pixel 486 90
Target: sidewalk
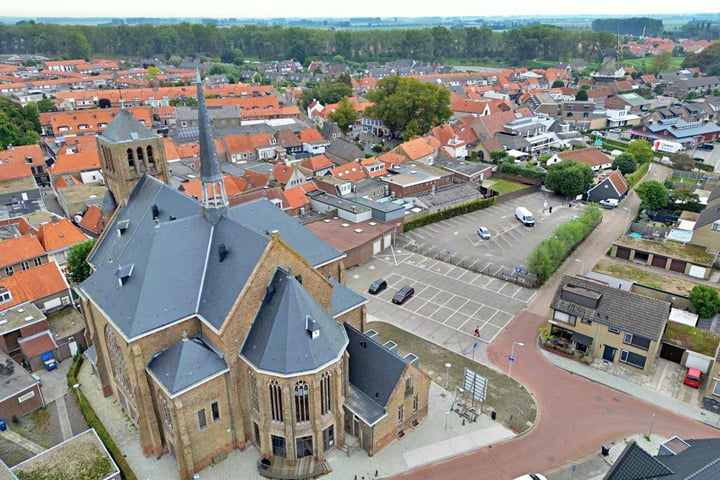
pixel 633 389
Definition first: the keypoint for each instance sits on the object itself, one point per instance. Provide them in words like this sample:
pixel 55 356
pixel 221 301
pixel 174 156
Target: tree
pixel 569 178
pixel 705 300
pixel 77 46
pixel 344 115
pixel 653 195
pixel 558 84
pixel 660 62
pixel 625 162
pixel 46 105
pixel 407 105
pixel 18 125
pixel 682 161
pixel 78 268
pixel 582 95
pixel 640 150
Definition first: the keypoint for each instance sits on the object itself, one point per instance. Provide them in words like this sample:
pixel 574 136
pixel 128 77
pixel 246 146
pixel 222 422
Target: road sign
pixel 511 358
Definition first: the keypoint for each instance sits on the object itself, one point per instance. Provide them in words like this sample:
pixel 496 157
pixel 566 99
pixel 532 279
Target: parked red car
pixel 692 378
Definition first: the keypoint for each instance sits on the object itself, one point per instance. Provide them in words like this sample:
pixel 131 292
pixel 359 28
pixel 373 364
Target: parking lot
pixel 445 295
pixel 510 242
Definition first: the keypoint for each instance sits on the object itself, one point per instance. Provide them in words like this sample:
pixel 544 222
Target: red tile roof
pixel 19 249
pixel 296 196
pixel 40 282
pixel 92 220
pixel 591 156
pixel 35 346
pixel 60 235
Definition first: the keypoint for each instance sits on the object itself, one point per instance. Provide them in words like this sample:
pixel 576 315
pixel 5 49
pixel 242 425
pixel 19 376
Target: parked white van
pixel 524 215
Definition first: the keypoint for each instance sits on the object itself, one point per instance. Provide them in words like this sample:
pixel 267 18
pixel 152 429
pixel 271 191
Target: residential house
pixel 608 186
pixel 21 253
pixel 342 151
pixel 677 459
pixel 631 102
pixel 590 156
pixel 604 322
pixel 57 237
pixel 319 165
pixel 453 146
pixel 31 155
pixel 19 191
pixel 297 202
pixel 313 142
pixel 183 361
pixel 92 222
pixel 26 298
pixel 421 150
pixel 706 231
pixel 287 139
pixel 289 176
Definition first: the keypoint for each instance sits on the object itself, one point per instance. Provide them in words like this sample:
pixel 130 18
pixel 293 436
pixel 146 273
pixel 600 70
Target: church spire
pixel 214 199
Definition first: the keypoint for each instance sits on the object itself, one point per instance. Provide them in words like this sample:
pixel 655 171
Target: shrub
pixel 512 169
pixel 444 214
pixel 545 259
pixel 94 422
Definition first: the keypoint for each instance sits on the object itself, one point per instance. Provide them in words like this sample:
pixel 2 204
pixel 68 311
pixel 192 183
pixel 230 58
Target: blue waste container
pixel 3 425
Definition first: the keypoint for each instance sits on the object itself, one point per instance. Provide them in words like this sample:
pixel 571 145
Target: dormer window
pixel 123 226
pixel 124 272
pixel 312 327
pixel 5 295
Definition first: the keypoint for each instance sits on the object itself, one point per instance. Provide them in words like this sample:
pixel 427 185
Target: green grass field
pixel 504 186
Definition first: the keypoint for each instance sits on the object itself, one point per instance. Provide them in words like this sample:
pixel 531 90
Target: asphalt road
pixel 575 415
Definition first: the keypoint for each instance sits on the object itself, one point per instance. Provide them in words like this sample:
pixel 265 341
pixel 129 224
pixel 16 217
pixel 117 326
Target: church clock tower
pixel 128 149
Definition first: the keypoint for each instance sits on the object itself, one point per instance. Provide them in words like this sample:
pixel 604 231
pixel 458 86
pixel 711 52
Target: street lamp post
pixel 447 374
pixel 512 356
pixel 582 265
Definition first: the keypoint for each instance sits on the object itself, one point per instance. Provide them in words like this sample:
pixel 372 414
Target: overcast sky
pixel 367 8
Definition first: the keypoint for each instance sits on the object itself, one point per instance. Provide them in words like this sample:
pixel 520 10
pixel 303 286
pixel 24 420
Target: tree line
pixel 233 44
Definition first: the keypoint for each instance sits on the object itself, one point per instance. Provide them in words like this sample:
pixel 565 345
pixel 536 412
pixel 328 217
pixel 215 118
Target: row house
pixel 86 122
pixel 30 295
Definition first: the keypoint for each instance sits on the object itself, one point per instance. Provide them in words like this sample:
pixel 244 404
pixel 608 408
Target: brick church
pixel 219 327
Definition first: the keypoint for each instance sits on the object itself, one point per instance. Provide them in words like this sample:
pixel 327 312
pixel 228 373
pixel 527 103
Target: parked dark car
pixel 377 286
pixel 708 147
pixel 403 294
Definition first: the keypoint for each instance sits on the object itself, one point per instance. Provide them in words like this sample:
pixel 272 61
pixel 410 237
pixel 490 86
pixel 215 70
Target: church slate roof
pixel 343 299
pixel 279 340
pixel 126 128
pixel 170 259
pixel 374 370
pixel 185 364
